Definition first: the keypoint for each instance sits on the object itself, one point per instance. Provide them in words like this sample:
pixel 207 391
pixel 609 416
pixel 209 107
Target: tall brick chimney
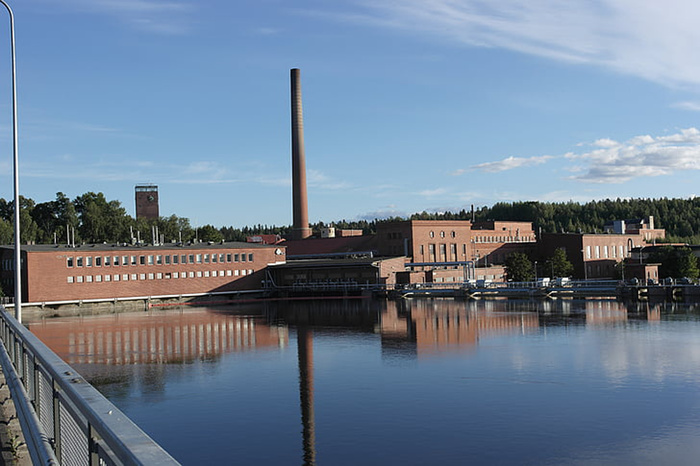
pixel 300 209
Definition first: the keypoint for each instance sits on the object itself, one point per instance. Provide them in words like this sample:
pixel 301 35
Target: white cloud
pixel 317 179
pixel 641 156
pixel 161 17
pixel 507 164
pixel 645 38
pixel 688 105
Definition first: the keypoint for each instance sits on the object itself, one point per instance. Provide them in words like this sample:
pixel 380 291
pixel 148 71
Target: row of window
pixel 158 259
pixel 607 252
pixel 503 239
pixel 158 276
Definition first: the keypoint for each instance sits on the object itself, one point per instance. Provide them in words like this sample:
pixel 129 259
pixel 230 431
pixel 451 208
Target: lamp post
pixel 18 250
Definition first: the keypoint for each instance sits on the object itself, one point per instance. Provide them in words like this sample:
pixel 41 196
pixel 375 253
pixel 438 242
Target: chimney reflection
pixel 306 392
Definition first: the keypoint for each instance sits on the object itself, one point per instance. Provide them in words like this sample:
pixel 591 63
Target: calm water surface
pixel 410 382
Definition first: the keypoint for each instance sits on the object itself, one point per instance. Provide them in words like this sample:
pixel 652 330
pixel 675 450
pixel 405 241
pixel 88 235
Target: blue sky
pixel 409 105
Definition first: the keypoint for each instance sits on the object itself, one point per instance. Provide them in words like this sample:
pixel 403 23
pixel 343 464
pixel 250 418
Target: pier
pixel 483 289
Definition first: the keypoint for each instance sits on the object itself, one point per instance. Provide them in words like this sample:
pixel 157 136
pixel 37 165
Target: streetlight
pixel 18 250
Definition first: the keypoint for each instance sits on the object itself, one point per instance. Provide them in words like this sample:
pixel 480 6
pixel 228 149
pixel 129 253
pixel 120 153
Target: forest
pixel 91 218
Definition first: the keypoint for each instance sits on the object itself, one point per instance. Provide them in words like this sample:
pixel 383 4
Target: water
pixel 409 382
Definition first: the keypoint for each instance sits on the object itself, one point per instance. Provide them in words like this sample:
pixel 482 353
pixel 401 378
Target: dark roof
pixel 311 246
pixel 143 248
pixel 321 263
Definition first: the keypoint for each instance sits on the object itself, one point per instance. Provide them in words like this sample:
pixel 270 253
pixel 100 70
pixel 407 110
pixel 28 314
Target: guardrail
pixel 64 419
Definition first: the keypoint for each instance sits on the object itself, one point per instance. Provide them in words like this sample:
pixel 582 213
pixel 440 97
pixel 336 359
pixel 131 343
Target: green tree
pixel 519 267
pixel 559 265
pixel 675 262
pixel 209 233
pixel 6 232
pixel 101 220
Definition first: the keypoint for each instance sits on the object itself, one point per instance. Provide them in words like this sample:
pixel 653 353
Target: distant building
pixel 592 255
pixel 635 226
pixel 147 201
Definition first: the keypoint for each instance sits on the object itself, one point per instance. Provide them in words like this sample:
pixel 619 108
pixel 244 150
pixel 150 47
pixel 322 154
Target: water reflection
pixel 600 362
pixel 157 337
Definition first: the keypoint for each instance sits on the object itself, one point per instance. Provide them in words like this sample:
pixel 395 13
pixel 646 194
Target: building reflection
pixel 438 326
pixel 156 337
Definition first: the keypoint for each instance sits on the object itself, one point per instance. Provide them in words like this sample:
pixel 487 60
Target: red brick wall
pixel 48 274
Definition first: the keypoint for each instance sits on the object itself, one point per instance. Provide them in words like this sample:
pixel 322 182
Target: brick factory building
pixel 484 243
pixel 53 273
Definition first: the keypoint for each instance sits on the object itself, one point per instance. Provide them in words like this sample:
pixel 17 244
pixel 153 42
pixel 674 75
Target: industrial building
pixel 54 273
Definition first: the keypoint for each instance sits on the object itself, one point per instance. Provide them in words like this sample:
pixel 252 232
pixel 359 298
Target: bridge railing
pixel 64 419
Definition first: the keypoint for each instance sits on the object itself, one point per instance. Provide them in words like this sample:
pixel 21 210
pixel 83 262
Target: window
pixel 243 272
pixel 150 276
pixel 88 261
pixel 79 279
pixel 167 259
pixel 588 252
pixel 116 260
pixel 98 261
pixel 108 261
pixel 115 277
pixel 98 278
pixel 175 259
pixel 214 273
pixel 150 260
pixel 228 273
pixel 235 258
pixel 70 279
pixel 190 259
pixel 250 271
pixel 199 274
pixel 159 259
pixel 221 258
pixel 159 276
pixel 442 234
pixel 432 234
pixel 191 274
pixel 108 278
pixel 79 261
pixel 228 257
pixel 142 276
pixel 213 258
pixel 142 260
pixel 597 252
pixel 199 258
pixel 88 278
pixel 453 234
pixel 69 263
pixel 206 273
pixel 168 275
pixel 237 273
pixel 176 275
pixel 243 257
pixel 605 252
pixel 125 277
pixel 250 257
pixel 206 258
pixel 183 259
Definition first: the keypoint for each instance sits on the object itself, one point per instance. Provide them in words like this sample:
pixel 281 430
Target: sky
pixel 409 105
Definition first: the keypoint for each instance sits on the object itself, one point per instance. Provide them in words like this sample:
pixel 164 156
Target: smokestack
pixel 300 221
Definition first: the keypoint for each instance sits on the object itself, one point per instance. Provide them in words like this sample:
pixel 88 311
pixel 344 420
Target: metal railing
pixel 64 419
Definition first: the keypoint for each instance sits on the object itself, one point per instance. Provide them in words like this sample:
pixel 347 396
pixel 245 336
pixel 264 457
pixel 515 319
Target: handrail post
pixel 18 242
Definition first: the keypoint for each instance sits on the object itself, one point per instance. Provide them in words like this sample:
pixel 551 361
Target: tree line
pixel 91 218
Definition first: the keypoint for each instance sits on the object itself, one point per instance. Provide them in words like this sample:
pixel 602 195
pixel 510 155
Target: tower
pixel 147 201
pixel 300 210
